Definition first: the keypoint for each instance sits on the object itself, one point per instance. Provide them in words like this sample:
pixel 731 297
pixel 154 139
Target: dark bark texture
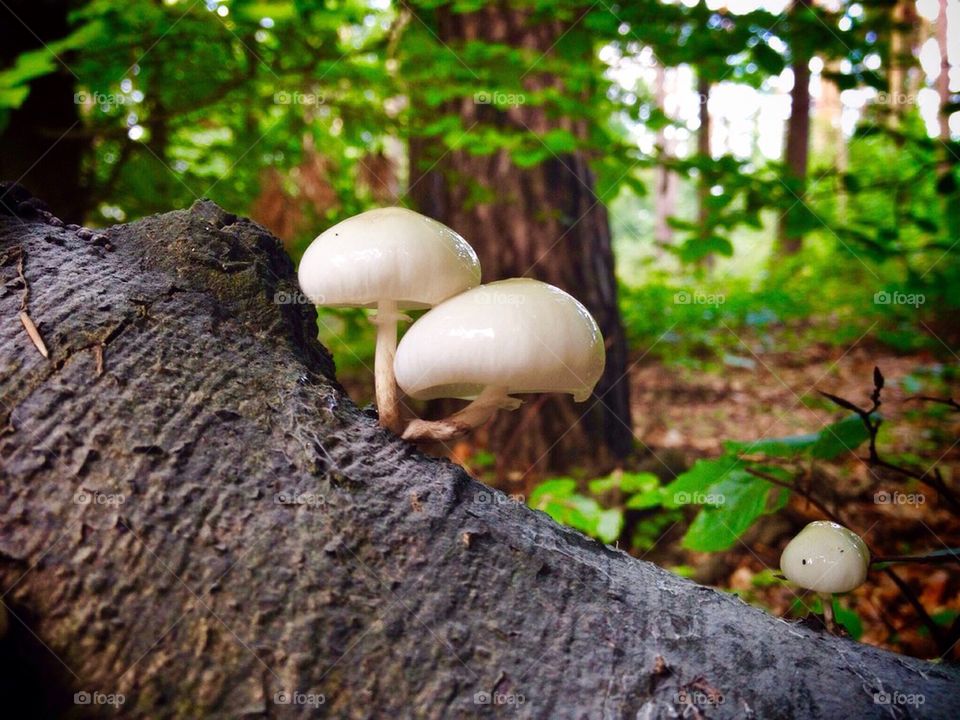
pixel 195 516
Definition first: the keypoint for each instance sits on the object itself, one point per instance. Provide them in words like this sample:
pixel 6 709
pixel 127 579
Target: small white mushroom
pixel 826 557
pixel 391 259
pixel 509 337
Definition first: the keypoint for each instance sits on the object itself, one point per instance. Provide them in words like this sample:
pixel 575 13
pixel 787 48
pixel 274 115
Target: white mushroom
pixel 391 259
pixel 826 557
pixel 509 337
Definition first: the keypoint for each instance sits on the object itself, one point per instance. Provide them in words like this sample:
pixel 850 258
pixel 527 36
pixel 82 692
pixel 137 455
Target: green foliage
pixel 213 98
pixel 827 444
pixel 730 497
pixel 350 337
pixel 562 499
pixel 15 82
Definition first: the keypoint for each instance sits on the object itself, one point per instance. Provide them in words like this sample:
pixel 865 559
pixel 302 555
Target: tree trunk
pixel 798 138
pixel 703 151
pixel 827 136
pixel 37 147
pixel 196 518
pixel 665 195
pixel 903 46
pixel 544 222
pixel 943 79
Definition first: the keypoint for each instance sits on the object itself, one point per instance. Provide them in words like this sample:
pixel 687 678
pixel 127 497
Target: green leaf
pixel 744 499
pixel 639 482
pixel 851 183
pixel 842 436
pixel 925 224
pixel 608 526
pixel 830 442
pixel 646 500
pixel 766 578
pixel 13 97
pixel 555 487
pixel 560 141
pixel 258 10
pixel 696 248
pixel 802 220
pixel 28 65
pixel 559 501
pixel 14 82
pixel 680 224
pixel 785 447
pixel 528 157
pixel 848 619
pixel 626 482
pixel 699 480
pixel 768 59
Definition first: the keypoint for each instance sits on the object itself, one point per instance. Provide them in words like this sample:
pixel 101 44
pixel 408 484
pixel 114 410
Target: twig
pixel 934 480
pixel 25 296
pixel 25 318
pixel 33 333
pixel 936 632
pixel 936 557
pixel 800 491
pixel 949 402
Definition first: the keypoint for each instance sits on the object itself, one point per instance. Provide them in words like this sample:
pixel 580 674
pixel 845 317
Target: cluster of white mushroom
pixel 483 343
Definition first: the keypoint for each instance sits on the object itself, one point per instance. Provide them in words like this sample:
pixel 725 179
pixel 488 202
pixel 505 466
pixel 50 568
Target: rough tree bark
pixel 195 516
pixel 545 222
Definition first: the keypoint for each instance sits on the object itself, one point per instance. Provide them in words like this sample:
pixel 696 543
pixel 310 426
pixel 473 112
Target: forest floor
pixel 682 415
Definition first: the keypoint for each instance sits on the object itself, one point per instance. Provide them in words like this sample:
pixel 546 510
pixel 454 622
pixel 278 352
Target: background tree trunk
pixel 665 195
pixel 544 222
pixel 943 79
pixel 797 148
pixel 827 136
pixel 196 517
pixel 37 148
pixel 703 151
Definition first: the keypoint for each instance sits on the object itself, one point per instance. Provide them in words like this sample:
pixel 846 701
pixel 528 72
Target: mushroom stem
pixel 826 601
pixel 474 415
pixel 388 405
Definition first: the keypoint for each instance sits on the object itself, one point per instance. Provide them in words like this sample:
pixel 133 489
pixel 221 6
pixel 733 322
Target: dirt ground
pixel 682 413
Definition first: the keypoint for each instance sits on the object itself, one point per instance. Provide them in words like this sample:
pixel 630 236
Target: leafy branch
pixel 932 477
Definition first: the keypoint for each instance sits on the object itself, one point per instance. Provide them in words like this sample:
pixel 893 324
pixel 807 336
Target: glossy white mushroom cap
pixel 826 557
pixel 523 335
pixel 387 254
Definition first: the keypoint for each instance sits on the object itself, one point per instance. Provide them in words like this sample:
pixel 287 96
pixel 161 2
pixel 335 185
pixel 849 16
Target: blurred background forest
pixel 757 199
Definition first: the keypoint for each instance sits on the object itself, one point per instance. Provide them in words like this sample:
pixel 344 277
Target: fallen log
pixel 197 522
